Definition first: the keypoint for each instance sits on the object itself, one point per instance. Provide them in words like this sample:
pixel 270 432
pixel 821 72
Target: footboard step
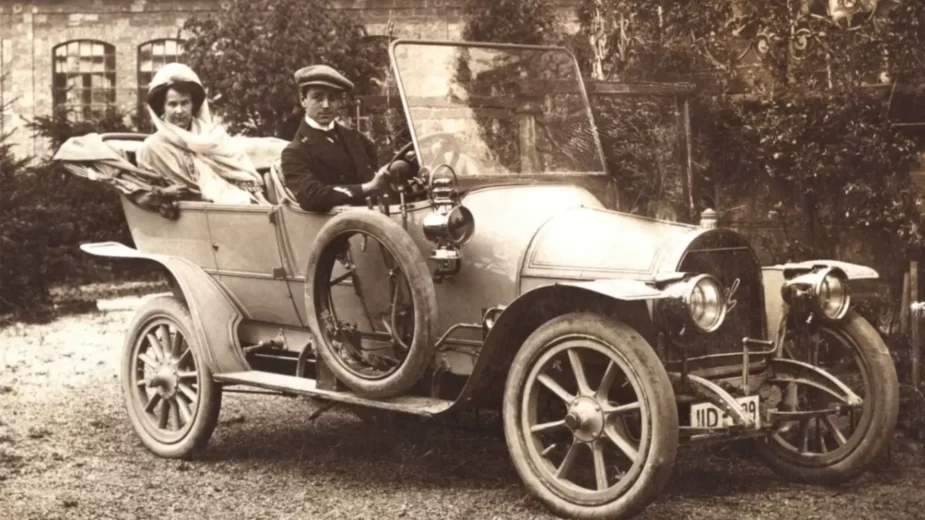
pixel 417 405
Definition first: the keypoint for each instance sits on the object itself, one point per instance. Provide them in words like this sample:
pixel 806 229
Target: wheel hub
pixel 585 419
pixel 166 380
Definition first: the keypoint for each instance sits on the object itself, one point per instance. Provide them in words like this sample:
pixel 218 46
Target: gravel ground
pixel 67 451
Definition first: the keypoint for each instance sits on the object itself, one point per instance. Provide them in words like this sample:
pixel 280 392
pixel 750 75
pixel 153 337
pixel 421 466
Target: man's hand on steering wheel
pixel 379 182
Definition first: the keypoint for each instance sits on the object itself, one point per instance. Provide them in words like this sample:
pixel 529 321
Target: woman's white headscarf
pixel 202 157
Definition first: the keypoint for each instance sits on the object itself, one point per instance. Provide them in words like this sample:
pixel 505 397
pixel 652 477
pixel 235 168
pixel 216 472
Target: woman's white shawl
pixel 204 158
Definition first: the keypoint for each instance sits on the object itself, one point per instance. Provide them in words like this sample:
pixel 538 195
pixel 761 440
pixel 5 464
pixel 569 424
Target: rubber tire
pixel 655 384
pixel 423 294
pixel 206 415
pixel 884 397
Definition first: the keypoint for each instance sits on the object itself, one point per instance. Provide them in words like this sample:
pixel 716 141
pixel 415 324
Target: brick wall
pixel 29 31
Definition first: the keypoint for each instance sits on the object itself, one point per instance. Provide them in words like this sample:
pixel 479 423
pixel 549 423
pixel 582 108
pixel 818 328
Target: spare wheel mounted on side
pixel 345 352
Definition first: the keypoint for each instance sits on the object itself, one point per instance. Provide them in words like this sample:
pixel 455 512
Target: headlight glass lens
pixel 707 304
pixel 832 297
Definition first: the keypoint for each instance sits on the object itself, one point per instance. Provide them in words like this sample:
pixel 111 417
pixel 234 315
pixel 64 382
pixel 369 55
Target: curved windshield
pixel 497 110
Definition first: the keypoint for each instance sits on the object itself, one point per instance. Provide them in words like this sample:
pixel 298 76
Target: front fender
pixel 625 301
pixel 215 315
pixel 852 271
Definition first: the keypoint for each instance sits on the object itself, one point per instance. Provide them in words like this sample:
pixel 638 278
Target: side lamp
pixel 449 225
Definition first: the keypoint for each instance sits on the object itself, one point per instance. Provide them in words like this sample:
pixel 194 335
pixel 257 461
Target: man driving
pixel 328 164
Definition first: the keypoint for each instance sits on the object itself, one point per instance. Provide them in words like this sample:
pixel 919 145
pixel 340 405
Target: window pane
pixel 170 47
pixel 144 52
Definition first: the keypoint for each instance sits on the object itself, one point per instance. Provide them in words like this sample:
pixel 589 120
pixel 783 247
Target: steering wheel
pixel 401 168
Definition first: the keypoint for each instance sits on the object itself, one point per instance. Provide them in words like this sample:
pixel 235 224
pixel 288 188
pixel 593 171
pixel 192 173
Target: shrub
pixel 46 213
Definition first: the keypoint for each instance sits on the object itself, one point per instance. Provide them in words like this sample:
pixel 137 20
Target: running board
pixel 417 405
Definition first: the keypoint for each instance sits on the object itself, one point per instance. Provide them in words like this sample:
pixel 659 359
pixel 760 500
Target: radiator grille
pixel 728 264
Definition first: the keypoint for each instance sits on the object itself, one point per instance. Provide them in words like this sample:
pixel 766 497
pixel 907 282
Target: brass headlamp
pixel 824 290
pixel 698 302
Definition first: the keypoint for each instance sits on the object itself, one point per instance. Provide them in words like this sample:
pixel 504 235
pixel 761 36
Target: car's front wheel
pixel 822 440
pixel 172 401
pixel 590 417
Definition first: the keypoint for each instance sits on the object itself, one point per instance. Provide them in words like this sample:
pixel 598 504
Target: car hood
pixel 594 243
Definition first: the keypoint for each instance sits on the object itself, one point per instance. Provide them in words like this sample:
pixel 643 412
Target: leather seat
pixel 277 192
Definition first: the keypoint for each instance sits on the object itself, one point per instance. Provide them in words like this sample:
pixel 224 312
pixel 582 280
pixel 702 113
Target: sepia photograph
pixel 462 259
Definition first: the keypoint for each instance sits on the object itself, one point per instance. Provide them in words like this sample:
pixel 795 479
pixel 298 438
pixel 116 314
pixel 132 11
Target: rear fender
pixel 215 315
pixel 625 301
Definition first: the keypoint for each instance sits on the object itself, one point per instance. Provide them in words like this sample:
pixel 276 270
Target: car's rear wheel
pixel 172 401
pixel 831 448
pixel 590 417
pixel 371 304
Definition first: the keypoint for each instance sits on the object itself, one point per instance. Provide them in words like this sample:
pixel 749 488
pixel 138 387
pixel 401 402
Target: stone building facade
pixel 87 54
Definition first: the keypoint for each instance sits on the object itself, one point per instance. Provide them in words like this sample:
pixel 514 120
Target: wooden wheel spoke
pixel 579 370
pixel 187 391
pixel 185 411
pixel 610 410
pixel 622 443
pixel 152 403
pixel 163 415
pixel 539 428
pixel 176 342
pixel 568 461
pixel 820 438
pixel 600 468
pixel 555 387
pixel 186 375
pixel 156 346
pixel 804 435
pixel 836 432
pixel 186 353
pixel 607 381
pixel 175 412
pixel 146 359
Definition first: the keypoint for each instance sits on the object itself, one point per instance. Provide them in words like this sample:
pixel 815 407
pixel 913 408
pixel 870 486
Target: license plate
pixel 708 415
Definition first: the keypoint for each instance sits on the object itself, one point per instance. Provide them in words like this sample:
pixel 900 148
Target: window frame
pixel 87 106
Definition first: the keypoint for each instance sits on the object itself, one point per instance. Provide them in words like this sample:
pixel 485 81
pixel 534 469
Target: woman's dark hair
pixel 157 94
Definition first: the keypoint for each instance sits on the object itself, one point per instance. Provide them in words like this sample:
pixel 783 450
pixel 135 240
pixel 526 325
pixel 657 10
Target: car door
pixel 246 244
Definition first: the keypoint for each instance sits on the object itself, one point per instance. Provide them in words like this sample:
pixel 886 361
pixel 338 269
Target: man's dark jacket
pixel 322 174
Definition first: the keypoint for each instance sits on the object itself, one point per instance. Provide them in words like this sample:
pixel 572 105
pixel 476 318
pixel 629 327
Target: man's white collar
pixel 314 124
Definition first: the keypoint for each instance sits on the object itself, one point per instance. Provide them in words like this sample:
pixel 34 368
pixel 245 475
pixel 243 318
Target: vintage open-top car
pixel 498 272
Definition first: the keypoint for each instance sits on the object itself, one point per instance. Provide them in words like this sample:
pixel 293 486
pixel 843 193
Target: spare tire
pixel 330 242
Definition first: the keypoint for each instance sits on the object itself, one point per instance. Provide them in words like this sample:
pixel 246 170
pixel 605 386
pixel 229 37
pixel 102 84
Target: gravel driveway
pixel 67 451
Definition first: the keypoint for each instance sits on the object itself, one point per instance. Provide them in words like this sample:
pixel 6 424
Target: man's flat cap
pixel 322 75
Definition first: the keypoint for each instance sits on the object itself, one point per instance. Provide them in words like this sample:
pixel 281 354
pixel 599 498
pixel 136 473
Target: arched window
pixel 152 56
pixel 84 78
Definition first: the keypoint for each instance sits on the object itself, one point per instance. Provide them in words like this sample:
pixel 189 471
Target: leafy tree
pixel 793 114
pixel 509 21
pixel 246 56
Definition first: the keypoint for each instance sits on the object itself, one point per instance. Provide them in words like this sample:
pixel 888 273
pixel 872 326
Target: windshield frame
pixel 513 46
